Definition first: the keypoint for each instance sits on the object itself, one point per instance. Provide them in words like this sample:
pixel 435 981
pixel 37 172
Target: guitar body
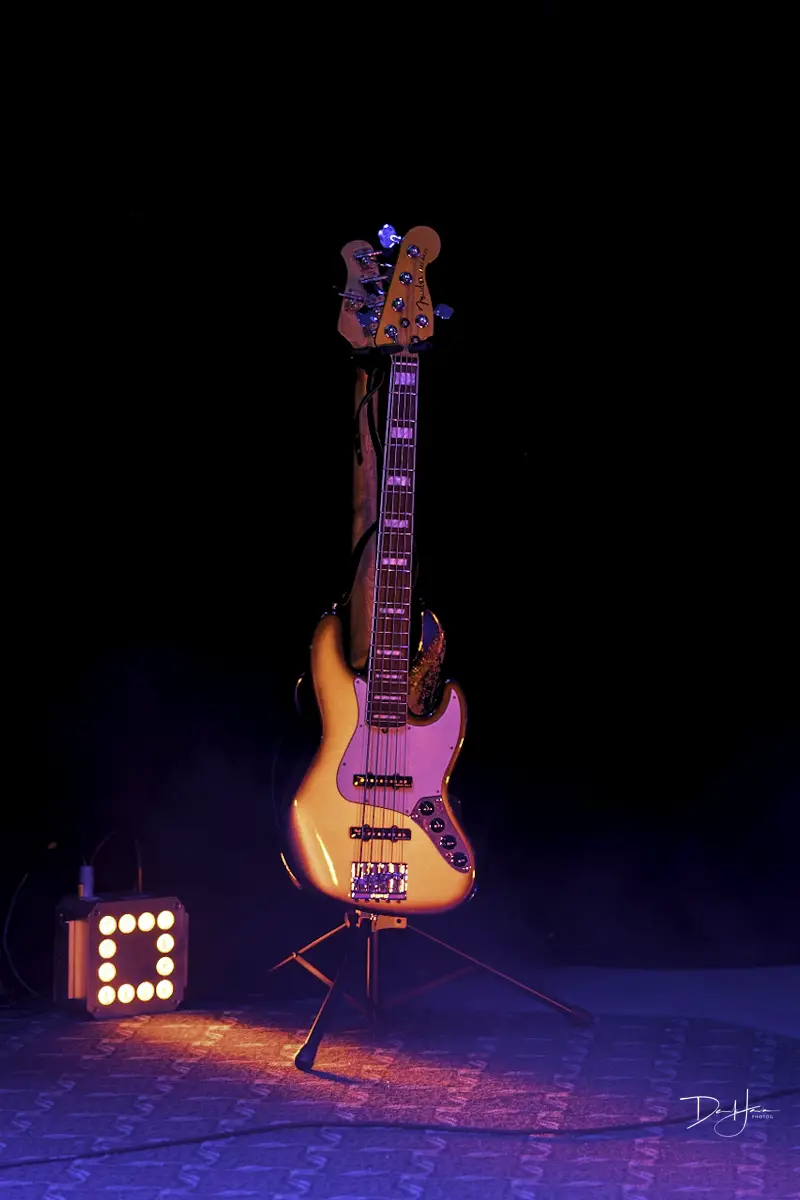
pixel 383 848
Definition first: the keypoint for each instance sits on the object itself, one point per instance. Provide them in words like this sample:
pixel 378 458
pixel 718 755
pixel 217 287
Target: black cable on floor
pixel 402 1126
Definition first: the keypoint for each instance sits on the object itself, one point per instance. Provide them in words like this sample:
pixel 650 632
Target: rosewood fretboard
pixel 387 673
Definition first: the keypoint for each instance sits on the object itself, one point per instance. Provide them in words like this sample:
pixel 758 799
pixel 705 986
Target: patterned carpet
pixel 209 1103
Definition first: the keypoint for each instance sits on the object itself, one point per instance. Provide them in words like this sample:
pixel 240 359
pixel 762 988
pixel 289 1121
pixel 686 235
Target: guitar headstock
pixel 408 313
pixel 363 295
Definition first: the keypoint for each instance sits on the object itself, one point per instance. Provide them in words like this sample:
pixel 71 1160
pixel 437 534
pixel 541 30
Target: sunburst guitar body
pixel 371 823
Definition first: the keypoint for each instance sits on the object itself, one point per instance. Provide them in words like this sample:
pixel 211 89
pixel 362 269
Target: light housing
pixel 108 956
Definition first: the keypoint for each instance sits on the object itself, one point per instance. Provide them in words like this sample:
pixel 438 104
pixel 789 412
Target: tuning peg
pixel 444 311
pixel 388 237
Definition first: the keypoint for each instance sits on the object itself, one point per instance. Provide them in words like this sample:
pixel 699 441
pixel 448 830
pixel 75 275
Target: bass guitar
pixel 371 823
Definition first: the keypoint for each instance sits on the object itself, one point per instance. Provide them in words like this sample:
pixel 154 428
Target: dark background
pixel 605 520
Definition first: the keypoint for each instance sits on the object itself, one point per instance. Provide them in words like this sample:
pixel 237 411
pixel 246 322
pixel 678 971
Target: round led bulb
pixel 164 989
pixel 165 943
pixel 106 995
pixel 127 923
pixel 146 922
pixel 165 966
pixel 145 991
pixel 125 994
pixel 107 925
pixel 106 971
pixel 165 919
pixel 107 948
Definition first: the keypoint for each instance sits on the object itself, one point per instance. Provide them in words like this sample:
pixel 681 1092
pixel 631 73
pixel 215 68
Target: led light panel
pixel 121 956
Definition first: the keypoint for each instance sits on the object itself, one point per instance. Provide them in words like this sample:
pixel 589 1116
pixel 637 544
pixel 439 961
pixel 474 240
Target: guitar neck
pixel 387 675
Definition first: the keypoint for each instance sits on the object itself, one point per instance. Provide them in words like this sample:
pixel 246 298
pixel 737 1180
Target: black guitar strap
pixel 370 398
pixel 355 560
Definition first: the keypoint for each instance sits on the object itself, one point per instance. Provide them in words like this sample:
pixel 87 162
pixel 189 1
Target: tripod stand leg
pixel 579 1015
pixel 304 1059
pixel 296 955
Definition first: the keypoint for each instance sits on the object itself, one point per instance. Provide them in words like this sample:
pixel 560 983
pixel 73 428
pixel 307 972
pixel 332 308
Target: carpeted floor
pixel 209 1103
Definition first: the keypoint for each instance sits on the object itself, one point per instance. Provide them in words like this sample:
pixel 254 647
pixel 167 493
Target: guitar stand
pixel 355 924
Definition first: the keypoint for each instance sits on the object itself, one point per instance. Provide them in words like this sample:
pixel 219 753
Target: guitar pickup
pixel 396 782
pixel 368 833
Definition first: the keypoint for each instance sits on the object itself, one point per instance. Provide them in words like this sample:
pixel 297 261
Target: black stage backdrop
pixel 606 528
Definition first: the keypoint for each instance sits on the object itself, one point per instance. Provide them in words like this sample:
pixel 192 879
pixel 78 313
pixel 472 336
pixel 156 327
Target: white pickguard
pixel 422 751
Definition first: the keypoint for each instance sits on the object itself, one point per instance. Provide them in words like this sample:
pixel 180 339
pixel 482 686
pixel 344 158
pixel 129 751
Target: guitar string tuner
pixel 388 237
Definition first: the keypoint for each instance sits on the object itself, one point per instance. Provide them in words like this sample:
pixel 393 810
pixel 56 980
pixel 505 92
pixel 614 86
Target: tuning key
pixel 364 254
pixel 388 237
pixel 444 311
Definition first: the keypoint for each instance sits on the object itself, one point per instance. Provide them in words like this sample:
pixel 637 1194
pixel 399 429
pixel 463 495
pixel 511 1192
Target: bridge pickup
pixel 398 782
pixel 379 881
pixel 368 833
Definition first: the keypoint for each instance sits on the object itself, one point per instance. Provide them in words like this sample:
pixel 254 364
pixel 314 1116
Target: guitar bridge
pixel 379 881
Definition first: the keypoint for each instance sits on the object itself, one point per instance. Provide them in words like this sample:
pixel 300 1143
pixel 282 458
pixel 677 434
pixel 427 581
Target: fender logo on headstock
pixel 422 299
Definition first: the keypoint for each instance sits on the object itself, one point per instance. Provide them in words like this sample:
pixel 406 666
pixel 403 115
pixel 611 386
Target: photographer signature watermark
pixel 757 1111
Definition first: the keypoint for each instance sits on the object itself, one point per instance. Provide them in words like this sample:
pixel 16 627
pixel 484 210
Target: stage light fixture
pixel 114 958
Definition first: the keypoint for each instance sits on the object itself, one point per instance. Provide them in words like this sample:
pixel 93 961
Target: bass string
pixel 400 543
pixel 407 448
pixel 373 734
pixel 409 405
